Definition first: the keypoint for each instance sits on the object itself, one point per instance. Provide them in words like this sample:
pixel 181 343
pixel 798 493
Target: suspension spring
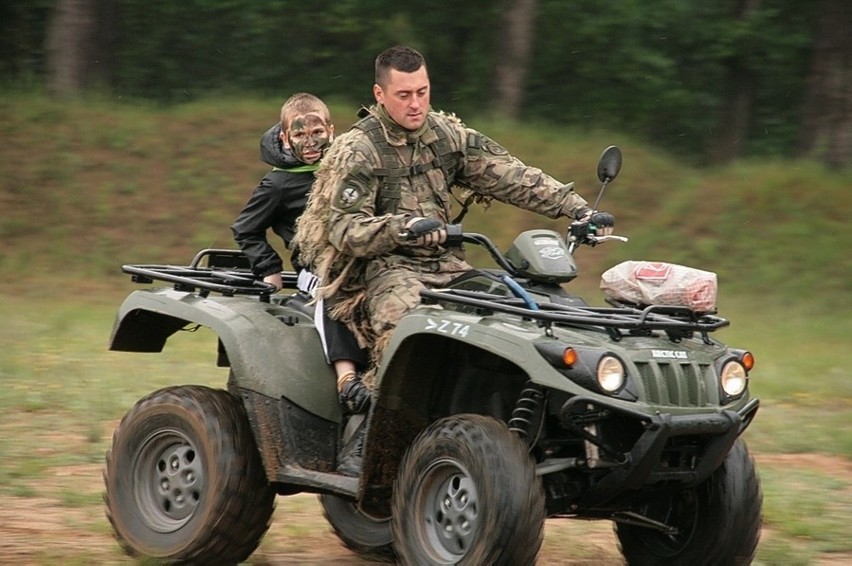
pixel 527 412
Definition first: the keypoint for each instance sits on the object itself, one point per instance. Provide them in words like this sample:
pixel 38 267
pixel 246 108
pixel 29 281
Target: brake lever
pixel 599 239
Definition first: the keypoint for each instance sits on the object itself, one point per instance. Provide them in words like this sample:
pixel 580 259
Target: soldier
pixel 294 148
pixel 390 175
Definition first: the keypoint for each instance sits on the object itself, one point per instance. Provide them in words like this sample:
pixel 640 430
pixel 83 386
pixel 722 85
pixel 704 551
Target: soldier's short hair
pixel 400 58
pixel 303 103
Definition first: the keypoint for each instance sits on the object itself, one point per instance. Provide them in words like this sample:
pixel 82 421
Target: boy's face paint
pixel 308 137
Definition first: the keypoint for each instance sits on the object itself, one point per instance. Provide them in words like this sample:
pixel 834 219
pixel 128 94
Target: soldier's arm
pixel 354 228
pixel 490 170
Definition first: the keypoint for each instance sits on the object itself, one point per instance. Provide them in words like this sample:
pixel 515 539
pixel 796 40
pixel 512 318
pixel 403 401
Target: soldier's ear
pixel 282 135
pixel 379 94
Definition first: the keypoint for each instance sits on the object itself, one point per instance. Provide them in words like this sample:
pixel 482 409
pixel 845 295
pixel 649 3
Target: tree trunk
pixel 514 49
pixel 734 119
pixel 80 45
pixel 826 129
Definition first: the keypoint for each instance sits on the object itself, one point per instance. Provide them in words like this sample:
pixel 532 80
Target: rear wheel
pixel 718 522
pixel 467 493
pixel 367 536
pixel 184 480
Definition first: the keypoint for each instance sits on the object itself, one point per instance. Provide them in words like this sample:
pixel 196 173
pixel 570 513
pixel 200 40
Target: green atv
pixel 502 401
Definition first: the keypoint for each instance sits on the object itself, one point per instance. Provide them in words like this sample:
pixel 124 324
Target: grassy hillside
pixel 88 185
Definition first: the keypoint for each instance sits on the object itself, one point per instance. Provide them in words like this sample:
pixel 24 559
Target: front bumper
pixel 643 464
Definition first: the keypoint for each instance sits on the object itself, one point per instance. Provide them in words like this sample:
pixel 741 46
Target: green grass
pixel 801 376
pixel 808 504
pixel 63 390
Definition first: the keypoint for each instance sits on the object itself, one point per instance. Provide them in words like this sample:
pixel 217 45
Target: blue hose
pixel 520 292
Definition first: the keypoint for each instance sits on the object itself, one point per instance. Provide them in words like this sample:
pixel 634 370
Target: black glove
pixel 355 397
pixel 425 231
pixel 602 219
pixel 601 223
pixel 421 226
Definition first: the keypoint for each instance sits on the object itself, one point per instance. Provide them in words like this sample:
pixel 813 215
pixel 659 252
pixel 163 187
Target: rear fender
pixel 271 348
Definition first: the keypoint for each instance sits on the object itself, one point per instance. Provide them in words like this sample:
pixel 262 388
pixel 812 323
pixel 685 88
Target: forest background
pixel 709 80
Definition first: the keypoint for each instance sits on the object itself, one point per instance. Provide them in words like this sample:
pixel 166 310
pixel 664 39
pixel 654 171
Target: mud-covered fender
pixel 272 349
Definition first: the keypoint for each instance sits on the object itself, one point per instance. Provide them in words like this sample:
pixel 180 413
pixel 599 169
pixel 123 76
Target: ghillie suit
pixel 378 176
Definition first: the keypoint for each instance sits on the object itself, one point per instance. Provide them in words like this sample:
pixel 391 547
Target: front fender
pixel 512 343
pixel 272 349
pixel 436 364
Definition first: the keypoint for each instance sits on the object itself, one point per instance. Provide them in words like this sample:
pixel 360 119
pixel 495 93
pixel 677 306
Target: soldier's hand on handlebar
pixel 590 225
pixel 425 231
pixel 602 222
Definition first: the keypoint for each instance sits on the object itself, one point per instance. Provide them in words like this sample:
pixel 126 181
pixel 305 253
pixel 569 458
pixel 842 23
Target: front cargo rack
pixel 677 322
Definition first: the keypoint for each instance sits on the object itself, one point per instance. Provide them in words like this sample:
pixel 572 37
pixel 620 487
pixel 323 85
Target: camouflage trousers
pixel 394 284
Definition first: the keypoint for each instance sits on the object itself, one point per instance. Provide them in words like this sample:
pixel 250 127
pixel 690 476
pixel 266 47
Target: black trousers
pixel 338 342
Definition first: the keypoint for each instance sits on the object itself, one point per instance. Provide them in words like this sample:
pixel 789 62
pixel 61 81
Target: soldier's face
pixel 308 137
pixel 405 97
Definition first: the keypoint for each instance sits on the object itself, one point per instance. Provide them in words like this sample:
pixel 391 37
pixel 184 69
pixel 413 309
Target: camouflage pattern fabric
pixel 374 275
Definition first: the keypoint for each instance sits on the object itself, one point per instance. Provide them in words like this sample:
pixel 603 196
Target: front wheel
pixel 467 493
pixel 717 522
pixel 184 481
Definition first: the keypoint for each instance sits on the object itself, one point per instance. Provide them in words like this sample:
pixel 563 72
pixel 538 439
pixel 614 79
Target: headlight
pixel 611 374
pixel 734 378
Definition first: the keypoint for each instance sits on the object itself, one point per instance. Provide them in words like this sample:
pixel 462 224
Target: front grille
pixel 680 384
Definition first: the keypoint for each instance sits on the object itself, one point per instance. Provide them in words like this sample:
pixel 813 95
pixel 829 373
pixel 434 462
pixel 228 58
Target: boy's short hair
pixel 303 103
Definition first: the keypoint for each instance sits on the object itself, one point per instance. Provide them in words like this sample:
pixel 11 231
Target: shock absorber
pixel 527 415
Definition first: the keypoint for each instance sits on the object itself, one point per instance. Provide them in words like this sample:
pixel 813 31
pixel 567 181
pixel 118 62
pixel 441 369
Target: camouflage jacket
pixel 354 207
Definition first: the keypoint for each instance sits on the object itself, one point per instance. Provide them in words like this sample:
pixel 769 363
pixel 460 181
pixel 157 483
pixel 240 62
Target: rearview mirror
pixel 609 164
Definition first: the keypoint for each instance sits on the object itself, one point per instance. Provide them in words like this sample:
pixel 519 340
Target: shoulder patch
pixel 493 147
pixel 483 144
pixel 350 197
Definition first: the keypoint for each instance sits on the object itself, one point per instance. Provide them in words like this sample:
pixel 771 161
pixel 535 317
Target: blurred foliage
pixel 654 70
pixel 657 69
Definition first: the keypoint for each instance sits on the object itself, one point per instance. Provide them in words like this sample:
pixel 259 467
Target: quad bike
pixel 502 400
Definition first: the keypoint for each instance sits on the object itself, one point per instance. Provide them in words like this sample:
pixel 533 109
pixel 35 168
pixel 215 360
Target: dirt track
pixel 71 527
pixel 47 531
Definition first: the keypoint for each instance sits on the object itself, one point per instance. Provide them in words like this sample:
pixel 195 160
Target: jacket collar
pixel 396 135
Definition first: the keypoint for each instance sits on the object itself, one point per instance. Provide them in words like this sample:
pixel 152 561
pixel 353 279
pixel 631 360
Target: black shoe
pixel 351 457
pixel 355 397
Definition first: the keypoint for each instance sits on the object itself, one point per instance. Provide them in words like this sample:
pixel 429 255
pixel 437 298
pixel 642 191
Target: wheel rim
pixel 168 480
pixel 448 510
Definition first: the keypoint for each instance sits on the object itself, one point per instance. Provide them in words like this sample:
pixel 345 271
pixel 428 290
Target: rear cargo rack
pixel 224 271
pixel 678 322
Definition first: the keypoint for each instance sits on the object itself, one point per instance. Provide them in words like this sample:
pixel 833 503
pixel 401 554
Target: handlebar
pixel 455 235
pixel 578 234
